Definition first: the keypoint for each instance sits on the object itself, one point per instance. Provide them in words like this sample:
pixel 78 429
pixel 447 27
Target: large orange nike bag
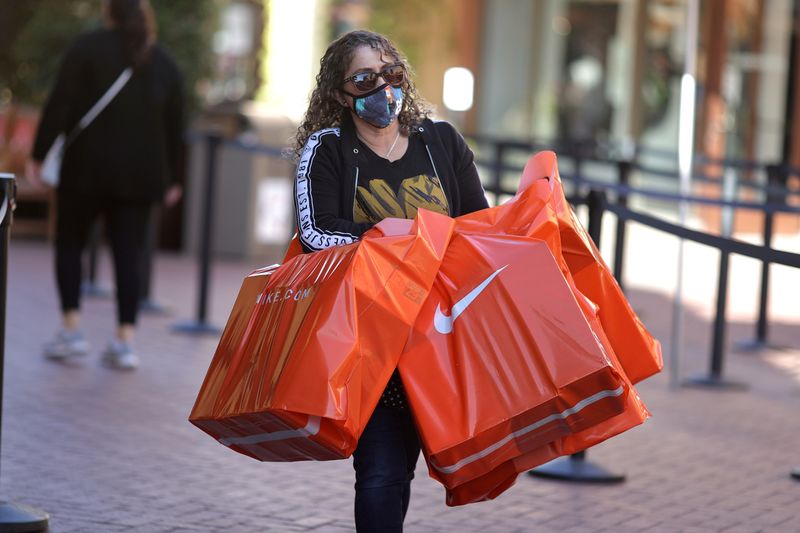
pixel 530 213
pixel 310 345
pixel 502 360
pixel 494 483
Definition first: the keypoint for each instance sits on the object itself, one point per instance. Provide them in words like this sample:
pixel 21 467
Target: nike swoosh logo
pixel 444 323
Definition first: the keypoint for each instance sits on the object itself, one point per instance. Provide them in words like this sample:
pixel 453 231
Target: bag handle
pixel 101 104
pixel 540 165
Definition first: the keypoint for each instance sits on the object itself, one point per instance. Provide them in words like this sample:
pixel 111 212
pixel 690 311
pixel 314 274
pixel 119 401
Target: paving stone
pixel 111 452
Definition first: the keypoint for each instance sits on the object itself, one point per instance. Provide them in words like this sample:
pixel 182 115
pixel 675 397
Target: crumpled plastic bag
pixel 477 468
pixel 310 344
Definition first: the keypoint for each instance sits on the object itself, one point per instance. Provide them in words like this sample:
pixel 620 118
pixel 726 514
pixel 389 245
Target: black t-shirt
pixel 398 188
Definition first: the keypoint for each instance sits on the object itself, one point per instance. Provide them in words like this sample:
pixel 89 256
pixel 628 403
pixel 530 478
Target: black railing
pixel 776 195
pixel 616 194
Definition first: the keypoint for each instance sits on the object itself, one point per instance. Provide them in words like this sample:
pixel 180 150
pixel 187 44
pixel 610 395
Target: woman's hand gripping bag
pixel 637 350
pixel 502 360
pixel 311 344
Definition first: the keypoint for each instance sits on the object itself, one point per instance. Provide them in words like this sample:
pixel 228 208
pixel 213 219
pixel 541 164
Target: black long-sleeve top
pixel 134 149
pixel 328 175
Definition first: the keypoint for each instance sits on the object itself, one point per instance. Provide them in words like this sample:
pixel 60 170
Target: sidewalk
pixel 104 451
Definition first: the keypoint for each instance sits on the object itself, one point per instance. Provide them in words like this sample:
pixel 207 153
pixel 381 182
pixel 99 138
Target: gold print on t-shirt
pixel 379 201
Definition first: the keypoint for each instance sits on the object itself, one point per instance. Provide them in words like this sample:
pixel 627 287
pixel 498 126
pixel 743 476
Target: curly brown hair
pixel 325 111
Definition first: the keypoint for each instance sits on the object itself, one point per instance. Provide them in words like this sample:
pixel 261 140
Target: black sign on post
pixel 13 517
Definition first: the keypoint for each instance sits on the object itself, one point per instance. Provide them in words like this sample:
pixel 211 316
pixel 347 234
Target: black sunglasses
pixel 366 81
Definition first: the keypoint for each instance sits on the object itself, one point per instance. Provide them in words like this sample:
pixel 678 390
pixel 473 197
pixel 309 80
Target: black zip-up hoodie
pixel 327 175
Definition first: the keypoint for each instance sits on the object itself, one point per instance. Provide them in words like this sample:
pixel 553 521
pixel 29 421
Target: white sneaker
pixel 67 343
pixel 119 355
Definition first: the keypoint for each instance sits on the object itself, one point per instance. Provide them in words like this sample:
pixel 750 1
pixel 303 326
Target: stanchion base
pixel 18 518
pixel 194 327
pixel 151 307
pixel 796 473
pixel 755 345
pixel 93 290
pixel 574 469
pixel 710 381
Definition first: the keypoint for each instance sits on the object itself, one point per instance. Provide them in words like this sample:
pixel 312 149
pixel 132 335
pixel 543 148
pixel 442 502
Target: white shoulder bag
pixel 51 166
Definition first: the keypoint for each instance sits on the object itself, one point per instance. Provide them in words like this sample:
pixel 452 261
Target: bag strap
pixel 101 104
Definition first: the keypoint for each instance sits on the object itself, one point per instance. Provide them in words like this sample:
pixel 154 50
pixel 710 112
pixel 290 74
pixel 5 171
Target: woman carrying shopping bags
pixel 367 151
pixel 118 102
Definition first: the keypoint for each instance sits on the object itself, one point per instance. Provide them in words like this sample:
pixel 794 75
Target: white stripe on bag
pixel 310 429
pixel 527 429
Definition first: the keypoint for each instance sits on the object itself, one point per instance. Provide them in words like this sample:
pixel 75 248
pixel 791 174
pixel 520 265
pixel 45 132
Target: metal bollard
pixel 13 517
pixel 624 172
pixel 714 377
pixel 200 325
pixel 146 303
pixel 497 171
pixel 776 177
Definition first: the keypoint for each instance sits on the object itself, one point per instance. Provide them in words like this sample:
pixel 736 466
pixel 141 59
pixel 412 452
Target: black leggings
pixel 126 227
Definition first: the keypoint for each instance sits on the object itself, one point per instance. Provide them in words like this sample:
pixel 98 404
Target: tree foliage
pixel 35 33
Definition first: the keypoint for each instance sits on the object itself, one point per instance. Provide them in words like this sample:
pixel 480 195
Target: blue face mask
pixel 380 106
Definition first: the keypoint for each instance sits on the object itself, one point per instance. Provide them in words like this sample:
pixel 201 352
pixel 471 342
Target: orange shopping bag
pixel 531 213
pixel 494 483
pixel 637 350
pixel 502 360
pixel 310 345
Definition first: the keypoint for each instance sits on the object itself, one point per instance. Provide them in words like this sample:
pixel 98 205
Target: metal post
pixel 90 287
pixel 714 377
pixel 578 168
pixel 204 257
pixel 497 171
pixel 624 171
pixel 576 467
pixel 595 201
pixel 146 303
pixel 776 177
pixel 13 517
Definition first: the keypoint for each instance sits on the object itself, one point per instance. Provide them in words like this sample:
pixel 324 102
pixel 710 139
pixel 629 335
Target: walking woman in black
pixel 367 151
pixel 126 159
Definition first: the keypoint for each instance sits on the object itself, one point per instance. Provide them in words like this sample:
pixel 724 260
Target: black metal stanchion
pixel 200 325
pixel 497 171
pixel 90 287
pixel 714 378
pixel 578 150
pixel 576 467
pixel 146 303
pixel 796 473
pixel 775 179
pixel 624 171
pixel 14 517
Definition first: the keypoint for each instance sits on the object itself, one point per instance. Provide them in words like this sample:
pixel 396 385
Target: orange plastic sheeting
pixel 500 479
pixel 638 351
pixel 310 345
pixel 502 359
pixel 481 464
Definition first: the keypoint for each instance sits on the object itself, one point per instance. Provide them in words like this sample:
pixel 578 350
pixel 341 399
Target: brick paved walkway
pixel 103 451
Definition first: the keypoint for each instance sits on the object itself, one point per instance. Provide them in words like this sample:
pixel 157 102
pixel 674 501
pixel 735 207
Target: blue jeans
pixel 384 462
